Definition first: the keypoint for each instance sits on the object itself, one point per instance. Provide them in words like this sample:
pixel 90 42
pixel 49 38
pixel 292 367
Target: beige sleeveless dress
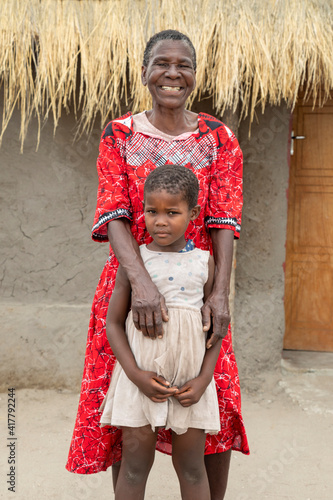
pixel 178 356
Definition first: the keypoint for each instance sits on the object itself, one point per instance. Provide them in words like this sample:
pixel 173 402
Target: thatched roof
pixel 87 54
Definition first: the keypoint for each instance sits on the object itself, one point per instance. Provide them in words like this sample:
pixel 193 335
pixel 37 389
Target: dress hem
pixel 85 470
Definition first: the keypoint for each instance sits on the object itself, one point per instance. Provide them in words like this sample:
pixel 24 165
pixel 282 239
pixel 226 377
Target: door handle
pixel 293 137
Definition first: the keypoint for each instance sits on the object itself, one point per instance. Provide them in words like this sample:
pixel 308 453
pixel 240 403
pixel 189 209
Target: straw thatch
pixel 87 54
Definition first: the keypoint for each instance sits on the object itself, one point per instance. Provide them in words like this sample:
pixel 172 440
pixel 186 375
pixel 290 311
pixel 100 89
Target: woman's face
pixel 170 75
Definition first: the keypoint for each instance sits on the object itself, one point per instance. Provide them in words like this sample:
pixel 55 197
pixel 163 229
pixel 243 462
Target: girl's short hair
pixel 174 179
pixel 168 35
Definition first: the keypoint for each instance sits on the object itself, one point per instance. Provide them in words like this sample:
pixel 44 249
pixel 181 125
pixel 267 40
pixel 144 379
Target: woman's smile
pixel 170 89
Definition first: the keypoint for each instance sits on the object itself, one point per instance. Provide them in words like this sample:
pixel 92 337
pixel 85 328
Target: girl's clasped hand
pixel 154 387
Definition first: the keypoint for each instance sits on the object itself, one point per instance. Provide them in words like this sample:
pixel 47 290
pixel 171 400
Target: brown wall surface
pixel 50 265
pixel 259 316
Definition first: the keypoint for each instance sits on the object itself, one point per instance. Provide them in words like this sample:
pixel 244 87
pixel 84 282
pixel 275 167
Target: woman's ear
pixel 195 211
pixel 143 75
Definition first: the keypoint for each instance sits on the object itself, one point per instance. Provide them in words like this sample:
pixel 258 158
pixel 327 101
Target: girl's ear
pixel 195 211
pixel 143 75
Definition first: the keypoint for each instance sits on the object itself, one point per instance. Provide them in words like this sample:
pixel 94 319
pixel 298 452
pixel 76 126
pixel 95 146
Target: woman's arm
pixel 112 199
pixel 216 308
pixel 153 386
pixel 148 305
pixel 224 220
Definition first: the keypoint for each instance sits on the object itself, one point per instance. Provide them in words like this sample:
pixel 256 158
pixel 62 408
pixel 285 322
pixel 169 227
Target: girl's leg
pixel 188 461
pixel 217 466
pixel 137 458
pixel 115 473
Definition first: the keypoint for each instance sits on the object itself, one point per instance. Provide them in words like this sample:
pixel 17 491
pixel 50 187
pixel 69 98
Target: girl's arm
pixel 153 386
pixel 148 305
pixel 191 391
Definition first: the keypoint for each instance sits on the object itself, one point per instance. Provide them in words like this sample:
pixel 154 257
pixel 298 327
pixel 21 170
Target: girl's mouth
pixel 161 234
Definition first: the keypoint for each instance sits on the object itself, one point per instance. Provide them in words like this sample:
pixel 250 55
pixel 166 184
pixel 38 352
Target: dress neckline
pixel 189 247
pixel 142 125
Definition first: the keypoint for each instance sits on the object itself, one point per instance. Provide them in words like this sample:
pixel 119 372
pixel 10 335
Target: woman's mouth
pixel 171 89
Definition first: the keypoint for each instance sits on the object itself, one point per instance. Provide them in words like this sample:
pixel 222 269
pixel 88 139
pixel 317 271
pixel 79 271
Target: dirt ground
pixel 289 423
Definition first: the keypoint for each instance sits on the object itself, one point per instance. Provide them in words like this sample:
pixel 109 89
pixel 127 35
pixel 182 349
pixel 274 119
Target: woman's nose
pixel 173 71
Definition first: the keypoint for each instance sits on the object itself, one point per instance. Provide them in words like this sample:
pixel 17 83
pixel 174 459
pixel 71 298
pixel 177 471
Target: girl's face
pixel 170 75
pixel 167 217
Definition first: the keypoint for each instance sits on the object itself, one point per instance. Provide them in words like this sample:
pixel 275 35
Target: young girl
pixel 165 382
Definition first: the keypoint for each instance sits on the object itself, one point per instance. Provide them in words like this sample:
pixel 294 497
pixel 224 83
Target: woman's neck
pixel 172 121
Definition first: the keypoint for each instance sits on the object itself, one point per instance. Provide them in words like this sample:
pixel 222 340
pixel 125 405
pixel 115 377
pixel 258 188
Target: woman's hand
pixel 216 317
pixel 148 309
pixel 153 386
pixel 191 392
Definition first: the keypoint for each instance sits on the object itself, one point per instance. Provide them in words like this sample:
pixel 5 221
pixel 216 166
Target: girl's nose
pixel 161 221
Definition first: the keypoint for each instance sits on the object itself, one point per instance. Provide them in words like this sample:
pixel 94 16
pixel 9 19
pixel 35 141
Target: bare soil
pixel 289 424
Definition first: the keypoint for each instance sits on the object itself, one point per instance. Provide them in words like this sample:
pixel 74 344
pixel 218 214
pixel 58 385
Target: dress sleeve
pixel 112 195
pixel 225 199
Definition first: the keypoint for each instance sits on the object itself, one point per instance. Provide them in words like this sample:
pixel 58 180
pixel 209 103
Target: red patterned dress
pixel 125 159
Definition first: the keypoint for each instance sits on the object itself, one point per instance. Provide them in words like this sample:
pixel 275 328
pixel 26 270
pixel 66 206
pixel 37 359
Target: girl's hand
pixel 191 392
pixel 215 314
pixel 154 386
pixel 148 309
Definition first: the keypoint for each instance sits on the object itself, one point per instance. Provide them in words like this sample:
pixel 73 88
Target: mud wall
pixel 259 316
pixel 50 265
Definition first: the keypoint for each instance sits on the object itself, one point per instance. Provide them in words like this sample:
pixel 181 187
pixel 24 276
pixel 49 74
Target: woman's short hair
pixel 174 179
pixel 168 35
